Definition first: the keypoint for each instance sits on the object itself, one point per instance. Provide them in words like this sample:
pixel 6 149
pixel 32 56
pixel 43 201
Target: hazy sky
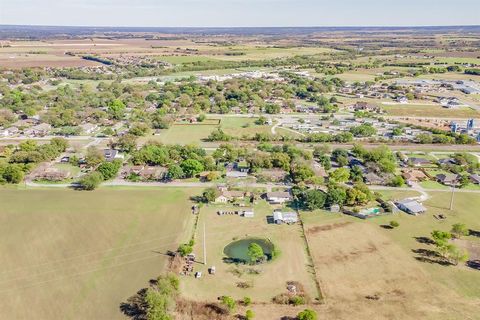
pixel 174 13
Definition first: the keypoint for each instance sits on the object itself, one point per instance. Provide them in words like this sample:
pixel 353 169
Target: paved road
pixel 267 186
pixel 174 184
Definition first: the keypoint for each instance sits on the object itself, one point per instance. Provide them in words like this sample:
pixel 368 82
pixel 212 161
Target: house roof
pixel 373 177
pixel 475 177
pixel 412 205
pixel 278 194
pixel 236 174
pixel 414 175
pixel 450 177
pixel 419 160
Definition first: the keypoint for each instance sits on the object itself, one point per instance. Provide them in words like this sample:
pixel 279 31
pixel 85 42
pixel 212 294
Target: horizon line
pixel 244 27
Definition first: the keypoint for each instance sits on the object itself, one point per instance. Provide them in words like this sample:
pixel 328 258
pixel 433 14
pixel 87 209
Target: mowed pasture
pixel 292 263
pixel 463 280
pixel 78 255
pixel 376 273
pixel 424 110
pixel 197 133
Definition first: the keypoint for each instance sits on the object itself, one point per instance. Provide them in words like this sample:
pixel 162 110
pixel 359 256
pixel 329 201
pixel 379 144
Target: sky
pixel 240 13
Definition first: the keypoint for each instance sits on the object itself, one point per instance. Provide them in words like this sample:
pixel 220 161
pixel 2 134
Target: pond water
pixel 237 251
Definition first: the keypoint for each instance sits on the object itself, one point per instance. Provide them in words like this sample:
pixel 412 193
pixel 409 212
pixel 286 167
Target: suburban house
pixel 414 175
pixel 285 217
pixel 418 162
pixel 373 178
pixel 238 169
pixel 446 161
pixel 236 174
pixel 449 179
pixel 278 197
pixel 39 130
pixel 411 206
pixel 229 195
pixel 153 173
pixel 364 106
pixel 475 178
pixel 112 154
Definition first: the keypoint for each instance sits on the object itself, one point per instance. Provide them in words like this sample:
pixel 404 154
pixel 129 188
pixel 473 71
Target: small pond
pixel 237 251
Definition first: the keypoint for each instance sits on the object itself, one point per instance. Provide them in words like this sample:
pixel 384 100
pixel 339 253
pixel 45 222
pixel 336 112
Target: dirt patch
pixel 472 247
pixel 186 309
pixel 327 227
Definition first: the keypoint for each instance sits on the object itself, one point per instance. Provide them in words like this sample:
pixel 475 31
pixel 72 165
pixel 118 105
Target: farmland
pixel 349 123
pixel 89 251
pixel 420 110
pixel 356 260
pixel 290 265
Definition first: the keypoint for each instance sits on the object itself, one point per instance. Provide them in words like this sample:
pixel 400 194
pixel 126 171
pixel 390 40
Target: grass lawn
pixel 430 184
pixel 197 133
pixel 357 258
pixel 74 170
pixel 472 186
pixel 463 280
pixel 290 265
pixel 77 255
pixel 183 134
pixel 428 111
pixel 237 126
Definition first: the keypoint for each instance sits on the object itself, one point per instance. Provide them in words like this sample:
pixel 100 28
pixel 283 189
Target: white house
pixel 285 217
pixel 411 206
pixel 278 197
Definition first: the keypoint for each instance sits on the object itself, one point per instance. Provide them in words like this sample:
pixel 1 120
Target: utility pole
pixel 204 245
pixel 451 199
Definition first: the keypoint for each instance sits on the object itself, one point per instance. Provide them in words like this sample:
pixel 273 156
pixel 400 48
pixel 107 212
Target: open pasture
pixel 78 255
pixel 423 110
pixel 371 272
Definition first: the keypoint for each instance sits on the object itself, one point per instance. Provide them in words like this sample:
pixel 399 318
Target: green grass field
pixel 197 133
pixel 463 280
pixel 428 111
pixel 77 255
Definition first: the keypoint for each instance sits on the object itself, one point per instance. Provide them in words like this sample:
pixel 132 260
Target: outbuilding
pixel 248 213
pixel 411 206
pixel 285 217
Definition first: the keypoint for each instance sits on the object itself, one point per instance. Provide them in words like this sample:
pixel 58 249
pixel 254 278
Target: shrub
pixel 297 300
pixel 185 249
pixel 394 224
pixel 91 181
pixel 307 314
pixel 229 302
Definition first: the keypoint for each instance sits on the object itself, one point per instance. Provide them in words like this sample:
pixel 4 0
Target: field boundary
pixel 321 293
